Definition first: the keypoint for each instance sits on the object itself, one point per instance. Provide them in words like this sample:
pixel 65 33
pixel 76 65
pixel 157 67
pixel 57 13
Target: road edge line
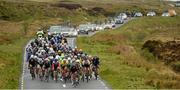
pixel 21 80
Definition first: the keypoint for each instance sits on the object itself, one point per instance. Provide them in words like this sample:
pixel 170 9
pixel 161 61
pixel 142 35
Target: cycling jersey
pixel 69 65
pixel 95 61
pixel 55 66
pixel 41 64
pixel 64 70
pixel 32 62
pixel 46 65
pixel 73 69
pixel 86 63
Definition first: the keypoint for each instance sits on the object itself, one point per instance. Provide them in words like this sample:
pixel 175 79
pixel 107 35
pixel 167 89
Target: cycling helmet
pixel 75 57
pixel 32 56
pixel 59 51
pixel 78 54
pixel 75 47
pixel 89 56
pixel 73 50
pixel 70 51
pixel 57 57
pixel 46 44
pixel 35 57
pixel 50 57
pixel 69 58
pixel 80 50
pixel 41 61
pixel 46 59
pixel 78 61
pixel 83 55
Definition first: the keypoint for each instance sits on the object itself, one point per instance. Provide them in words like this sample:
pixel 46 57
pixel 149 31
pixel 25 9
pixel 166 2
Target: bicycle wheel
pixel 87 78
pixel 83 77
pixel 47 75
pixel 32 73
pixel 95 74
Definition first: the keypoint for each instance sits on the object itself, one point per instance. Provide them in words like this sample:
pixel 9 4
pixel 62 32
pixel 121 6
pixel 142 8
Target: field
pixel 124 64
pixel 20 19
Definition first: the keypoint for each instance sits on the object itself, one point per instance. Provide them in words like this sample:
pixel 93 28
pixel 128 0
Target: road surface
pixel 117 26
pixel 27 83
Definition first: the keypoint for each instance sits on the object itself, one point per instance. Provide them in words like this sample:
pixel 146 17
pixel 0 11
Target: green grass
pixel 16 18
pixel 11 61
pixel 31 15
pixel 123 64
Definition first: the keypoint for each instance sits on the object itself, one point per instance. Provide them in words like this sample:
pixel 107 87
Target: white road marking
pixel 21 86
pixel 24 66
pixel 102 83
pixel 64 85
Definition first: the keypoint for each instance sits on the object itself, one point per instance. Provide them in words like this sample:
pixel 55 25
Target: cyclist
pixel 41 70
pixel 53 54
pixel 29 52
pixel 32 66
pixel 79 69
pixel 86 68
pixel 95 63
pixel 32 62
pixel 73 71
pixel 46 67
pixel 55 68
pixel 86 64
pixel 64 70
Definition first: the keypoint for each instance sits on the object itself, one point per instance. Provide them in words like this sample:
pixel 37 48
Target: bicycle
pixel 32 72
pixel 47 75
pixel 65 76
pixel 95 71
pixel 56 75
pixel 75 80
pixel 86 75
pixel 41 74
pixel 37 70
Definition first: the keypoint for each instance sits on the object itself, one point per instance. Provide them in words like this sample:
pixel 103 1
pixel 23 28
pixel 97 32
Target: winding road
pixel 27 83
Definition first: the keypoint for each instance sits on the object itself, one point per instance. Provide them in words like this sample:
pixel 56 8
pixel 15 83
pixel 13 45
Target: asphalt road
pixel 27 83
pixel 93 33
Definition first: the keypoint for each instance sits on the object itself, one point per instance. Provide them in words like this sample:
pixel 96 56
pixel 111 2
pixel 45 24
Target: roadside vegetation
pixel 20 19
pixel 124 64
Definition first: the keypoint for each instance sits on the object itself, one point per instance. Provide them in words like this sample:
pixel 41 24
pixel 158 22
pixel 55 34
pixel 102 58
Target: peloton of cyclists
pixel 53 57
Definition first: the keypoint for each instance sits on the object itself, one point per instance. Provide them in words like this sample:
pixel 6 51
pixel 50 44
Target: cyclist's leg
pixel 39 73
pixel 37 70
pixel 53 74
pixel 47 74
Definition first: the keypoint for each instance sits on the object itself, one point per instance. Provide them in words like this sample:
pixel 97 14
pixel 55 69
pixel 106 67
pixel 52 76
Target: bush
pixel 176 66
pixel 69 6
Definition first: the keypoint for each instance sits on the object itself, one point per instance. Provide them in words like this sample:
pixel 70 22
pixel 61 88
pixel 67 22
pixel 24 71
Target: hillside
pixel 125 64
pixel 20 19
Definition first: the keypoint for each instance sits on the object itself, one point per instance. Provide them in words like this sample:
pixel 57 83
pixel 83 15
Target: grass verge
pixel 11 61
pixel 26 17
pixel 124 65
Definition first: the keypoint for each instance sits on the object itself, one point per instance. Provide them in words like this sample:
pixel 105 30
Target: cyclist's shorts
pixel 86 65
